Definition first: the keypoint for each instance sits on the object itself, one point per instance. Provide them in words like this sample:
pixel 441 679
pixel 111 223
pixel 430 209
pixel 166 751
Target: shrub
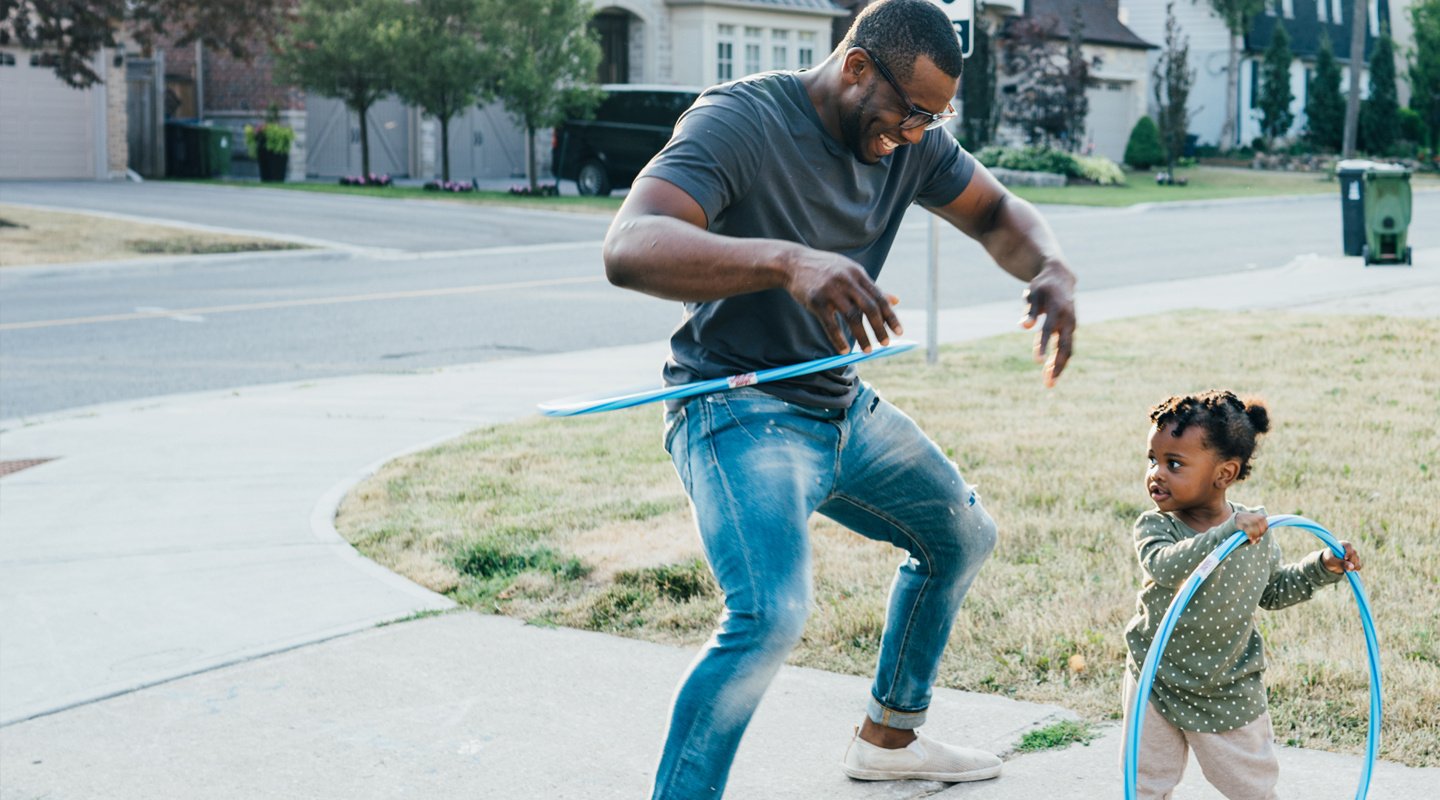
pixel 1031 159
pixel 1412 126
pixel 1100 170
pixel 1143 150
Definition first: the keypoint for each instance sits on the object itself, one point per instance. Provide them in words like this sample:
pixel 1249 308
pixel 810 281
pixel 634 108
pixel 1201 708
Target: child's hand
pixel 1254 525
pixel 1339 566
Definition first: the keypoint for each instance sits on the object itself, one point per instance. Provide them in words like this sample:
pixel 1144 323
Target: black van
pixel 631 125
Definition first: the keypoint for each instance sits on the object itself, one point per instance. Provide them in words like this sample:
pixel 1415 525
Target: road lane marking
pixel 450 291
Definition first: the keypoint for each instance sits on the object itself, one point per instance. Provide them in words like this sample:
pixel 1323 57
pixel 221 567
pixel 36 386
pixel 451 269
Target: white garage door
pixel 1112 114
pixel 47 129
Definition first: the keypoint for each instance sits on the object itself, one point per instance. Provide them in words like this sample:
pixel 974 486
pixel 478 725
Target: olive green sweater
pixel 1209 678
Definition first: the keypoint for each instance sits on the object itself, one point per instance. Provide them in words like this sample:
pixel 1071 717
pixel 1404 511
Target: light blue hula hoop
pixel 591 404
pixel 1172 615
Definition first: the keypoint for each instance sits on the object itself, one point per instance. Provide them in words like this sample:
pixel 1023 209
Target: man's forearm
pixel 674 260
pixel 1019 239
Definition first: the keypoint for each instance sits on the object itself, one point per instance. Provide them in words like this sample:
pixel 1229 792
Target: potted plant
pixel 269 144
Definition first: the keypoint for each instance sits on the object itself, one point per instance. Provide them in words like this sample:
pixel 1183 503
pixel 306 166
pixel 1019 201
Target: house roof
pixel 820 7
pixel 1100 21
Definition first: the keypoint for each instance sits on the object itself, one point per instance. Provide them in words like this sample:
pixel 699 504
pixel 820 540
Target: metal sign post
pixel 962 16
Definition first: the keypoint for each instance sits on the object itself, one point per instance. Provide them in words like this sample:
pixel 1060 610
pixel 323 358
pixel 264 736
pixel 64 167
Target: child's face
pixel 1184 473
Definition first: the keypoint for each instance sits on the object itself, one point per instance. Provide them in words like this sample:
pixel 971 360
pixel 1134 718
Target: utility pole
pixel 1358 19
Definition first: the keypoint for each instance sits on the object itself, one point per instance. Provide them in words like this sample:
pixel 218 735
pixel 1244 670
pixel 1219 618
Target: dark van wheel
pixel 592 180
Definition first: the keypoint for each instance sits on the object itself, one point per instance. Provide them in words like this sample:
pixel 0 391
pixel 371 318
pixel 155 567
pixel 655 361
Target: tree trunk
pixel 445 148
pixel 364 142
pixel 1229 133
pixel 1357 62
pixel 530 158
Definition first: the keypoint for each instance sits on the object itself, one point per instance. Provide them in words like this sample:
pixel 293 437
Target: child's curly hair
pixel 1232 426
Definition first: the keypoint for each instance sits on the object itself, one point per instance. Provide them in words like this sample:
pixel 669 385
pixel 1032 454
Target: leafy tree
pixel 1325 108
pixel 345 50
pixel 75 32
pixel 1038 104
pixel 1358 24
pixel 1424 63
pixel 1143 151
pixel 443 66
pixel 1275 95
pixel 1172 79
pixel 546 57
pixel 1380 114
pixel 1077 76
pixel 1237 16
pixel 977 91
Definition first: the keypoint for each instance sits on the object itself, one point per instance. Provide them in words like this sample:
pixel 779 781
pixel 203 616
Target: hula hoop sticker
pixel 1177 606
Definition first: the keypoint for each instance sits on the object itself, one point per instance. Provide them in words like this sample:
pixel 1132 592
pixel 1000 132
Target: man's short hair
pixel 899 31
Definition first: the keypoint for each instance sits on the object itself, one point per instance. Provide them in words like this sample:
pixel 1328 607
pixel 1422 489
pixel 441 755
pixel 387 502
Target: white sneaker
pixel 923 760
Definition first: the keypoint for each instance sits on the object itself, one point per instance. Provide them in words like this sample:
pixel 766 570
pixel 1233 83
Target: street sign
pixel 962 16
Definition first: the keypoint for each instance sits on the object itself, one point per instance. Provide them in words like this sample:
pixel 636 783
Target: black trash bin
pixel 1351 174
pixel 193 150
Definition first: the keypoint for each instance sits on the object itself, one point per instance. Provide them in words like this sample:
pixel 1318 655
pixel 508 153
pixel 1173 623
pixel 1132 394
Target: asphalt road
pixel 420 285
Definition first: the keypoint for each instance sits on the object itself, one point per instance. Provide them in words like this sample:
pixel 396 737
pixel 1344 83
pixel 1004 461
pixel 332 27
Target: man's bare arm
pixel 658 244
pixel 1020 241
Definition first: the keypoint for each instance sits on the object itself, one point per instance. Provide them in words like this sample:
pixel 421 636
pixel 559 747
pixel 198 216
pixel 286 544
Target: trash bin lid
pixel 1355 165
pixel 1389 169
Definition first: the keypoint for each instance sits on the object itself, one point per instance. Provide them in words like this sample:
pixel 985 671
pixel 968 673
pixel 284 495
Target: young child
pixel 1208 694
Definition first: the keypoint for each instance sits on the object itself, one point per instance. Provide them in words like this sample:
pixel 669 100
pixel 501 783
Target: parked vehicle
pixel 630 126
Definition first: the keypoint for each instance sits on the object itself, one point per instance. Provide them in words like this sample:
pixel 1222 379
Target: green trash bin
pixel 193 150
pixel 1387 215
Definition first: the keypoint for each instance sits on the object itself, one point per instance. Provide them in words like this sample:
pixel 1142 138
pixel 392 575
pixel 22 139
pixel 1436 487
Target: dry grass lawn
pixel 28 236
pixel 582 522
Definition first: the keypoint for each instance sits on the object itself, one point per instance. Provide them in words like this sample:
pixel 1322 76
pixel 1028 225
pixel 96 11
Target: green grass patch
pixel 582 522
pixel 592 205
pixel 1058 736
pixel 1204 183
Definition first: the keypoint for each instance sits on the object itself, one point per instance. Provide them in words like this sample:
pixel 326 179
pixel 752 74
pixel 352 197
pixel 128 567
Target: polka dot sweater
pixel 1209 679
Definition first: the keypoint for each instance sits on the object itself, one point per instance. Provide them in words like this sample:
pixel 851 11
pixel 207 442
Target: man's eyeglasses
pixel 916 117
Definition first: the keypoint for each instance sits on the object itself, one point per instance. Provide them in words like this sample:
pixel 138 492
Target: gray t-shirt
pixel 755 156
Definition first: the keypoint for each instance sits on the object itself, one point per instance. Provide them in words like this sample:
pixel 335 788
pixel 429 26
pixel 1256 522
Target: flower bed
pixel 366 180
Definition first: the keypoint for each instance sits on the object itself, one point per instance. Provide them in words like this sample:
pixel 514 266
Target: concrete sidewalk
pixel 184 544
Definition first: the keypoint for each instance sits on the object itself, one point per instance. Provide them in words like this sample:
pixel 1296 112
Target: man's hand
pixel 1340 566
pixel 1254 525
pixel 1052 295
pixel 839 292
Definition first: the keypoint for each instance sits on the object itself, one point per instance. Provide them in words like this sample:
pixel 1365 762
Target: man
pixel 770 213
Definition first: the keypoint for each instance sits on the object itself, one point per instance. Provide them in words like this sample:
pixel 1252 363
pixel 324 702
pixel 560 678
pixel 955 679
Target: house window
pixel 1322 10
pixel 805 49
pixel 1287 9
pixel 1337 11
pixel 47 60
pixel 725 53
pixel 753 41
pixel 1254 84
pixel 779 49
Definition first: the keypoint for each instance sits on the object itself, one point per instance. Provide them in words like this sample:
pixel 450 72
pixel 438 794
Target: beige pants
pixel 1240 763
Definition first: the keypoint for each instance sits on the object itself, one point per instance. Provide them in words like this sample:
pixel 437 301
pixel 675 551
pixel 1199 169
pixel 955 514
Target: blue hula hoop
pixel 1172 615
pixel 591 404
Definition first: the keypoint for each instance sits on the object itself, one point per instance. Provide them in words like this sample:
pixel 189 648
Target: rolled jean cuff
pixel 890 718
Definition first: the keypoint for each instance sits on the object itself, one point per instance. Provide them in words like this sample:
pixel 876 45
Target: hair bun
pixel 1259 417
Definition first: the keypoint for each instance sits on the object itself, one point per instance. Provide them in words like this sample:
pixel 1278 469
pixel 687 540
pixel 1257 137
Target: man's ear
pixel 1226 472
pixel 854 66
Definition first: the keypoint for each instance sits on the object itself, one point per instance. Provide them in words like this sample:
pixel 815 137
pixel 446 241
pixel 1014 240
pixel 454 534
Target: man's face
pixel 870 127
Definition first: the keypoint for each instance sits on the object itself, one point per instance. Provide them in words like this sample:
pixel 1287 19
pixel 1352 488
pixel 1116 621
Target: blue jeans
pixel 755 468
